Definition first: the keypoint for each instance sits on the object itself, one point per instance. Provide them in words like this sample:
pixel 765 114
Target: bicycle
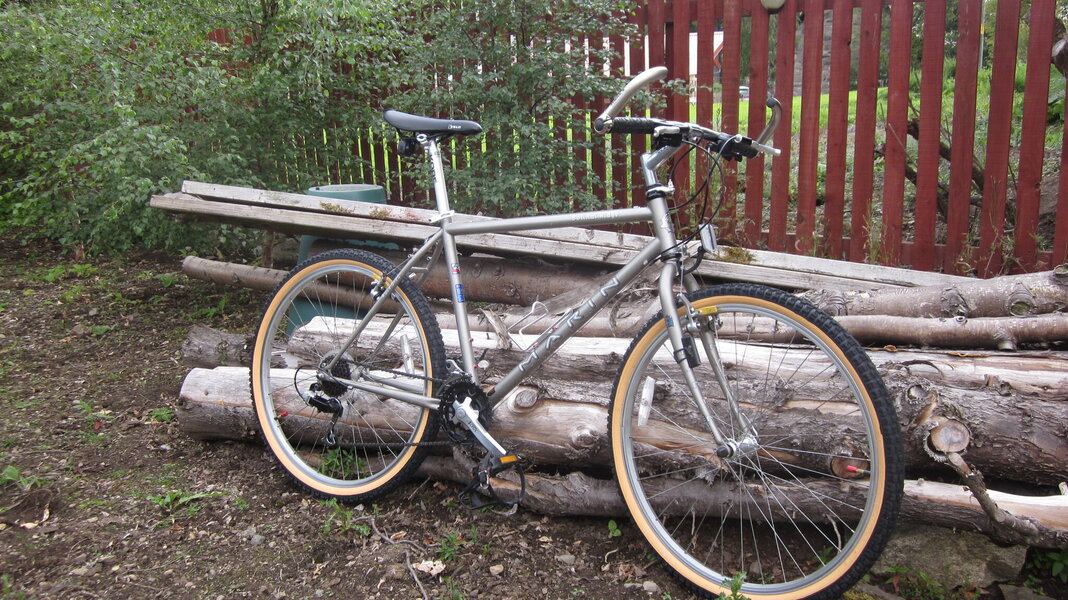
pixel 750 434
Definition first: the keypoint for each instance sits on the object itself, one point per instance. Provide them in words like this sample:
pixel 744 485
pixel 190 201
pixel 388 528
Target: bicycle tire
pixel 375 443
pixel 806 509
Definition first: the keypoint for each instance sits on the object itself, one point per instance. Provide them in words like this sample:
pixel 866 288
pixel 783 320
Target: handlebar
pixel 609 120
pixel 603 124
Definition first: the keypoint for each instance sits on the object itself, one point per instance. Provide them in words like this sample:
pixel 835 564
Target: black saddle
pixel 430 126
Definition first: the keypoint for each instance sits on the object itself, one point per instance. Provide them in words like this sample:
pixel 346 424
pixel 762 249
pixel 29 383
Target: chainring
pixel 457 388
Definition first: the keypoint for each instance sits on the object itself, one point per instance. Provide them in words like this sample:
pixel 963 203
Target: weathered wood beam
pixel 297 213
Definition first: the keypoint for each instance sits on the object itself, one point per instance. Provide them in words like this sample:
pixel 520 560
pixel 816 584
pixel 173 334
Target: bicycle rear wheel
pixel 333 440
pixel 808 495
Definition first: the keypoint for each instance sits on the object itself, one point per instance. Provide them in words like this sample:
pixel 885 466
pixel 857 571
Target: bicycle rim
pixel 804 505
pixel 373 443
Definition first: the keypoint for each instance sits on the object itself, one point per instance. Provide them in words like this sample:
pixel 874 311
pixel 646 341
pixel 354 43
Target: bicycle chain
pixel 467 446
pixel 468 443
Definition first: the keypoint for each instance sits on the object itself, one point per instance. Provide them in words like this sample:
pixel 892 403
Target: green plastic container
pixel 361 192
pixel 304 311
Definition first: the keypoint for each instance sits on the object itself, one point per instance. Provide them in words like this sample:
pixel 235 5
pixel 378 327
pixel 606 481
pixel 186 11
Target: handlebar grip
pixel 634 125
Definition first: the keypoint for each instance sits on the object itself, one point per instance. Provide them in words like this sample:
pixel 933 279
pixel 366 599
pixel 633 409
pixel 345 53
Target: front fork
pixel 684 331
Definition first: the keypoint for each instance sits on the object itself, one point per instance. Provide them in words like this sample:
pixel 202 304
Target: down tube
pixel 549 342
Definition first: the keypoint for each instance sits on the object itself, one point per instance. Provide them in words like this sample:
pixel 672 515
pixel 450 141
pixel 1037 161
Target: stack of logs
pixel 982 386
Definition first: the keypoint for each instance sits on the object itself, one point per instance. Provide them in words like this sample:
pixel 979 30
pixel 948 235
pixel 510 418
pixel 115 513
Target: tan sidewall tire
pixel 619 453
pixel 268 431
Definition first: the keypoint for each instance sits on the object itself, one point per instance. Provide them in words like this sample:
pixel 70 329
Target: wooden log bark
pixel 1027 376
pixel 207 347
pixel 485 279
pixel 1013 406
pixel 622 319
pixel 934 503
pixel 493 279
pixel 1019 295
pixel 563 421
pixel 571 434
pixel 1011 295
pixel 1007 333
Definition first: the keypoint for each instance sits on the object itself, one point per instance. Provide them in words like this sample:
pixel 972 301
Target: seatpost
pixel 433 149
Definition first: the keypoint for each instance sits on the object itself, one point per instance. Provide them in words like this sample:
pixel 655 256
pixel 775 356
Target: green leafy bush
pixel 106 102
pixel 519 69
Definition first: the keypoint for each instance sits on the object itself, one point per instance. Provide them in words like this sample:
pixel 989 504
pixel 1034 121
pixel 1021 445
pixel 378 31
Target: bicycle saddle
pixel 430 126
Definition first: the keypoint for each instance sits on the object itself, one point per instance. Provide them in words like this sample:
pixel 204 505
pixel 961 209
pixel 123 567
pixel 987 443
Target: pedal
pixel 480 478
pixel 503 463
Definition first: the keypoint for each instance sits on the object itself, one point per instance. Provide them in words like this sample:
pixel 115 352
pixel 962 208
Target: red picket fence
pixel 954 196
pixel 885 158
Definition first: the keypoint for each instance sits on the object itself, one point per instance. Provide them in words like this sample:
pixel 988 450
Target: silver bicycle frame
pixel 655 212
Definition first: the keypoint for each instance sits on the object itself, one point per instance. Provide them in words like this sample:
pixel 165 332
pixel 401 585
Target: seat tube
pixel 452 259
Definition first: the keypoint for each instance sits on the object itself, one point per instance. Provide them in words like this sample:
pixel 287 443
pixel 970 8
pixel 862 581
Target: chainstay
pixel 436 443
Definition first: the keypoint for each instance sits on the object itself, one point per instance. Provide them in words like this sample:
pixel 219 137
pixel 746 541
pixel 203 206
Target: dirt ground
pixel 101 495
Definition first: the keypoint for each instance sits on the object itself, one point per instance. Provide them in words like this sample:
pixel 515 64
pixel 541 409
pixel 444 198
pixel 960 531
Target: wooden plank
pixel 759 41
pixel 731 59
pixel 598 145
pixel 578 170
pixel 657 50
pixel 837 128
pixel 864 137
pixel 896 135
pixel 652 45
pixel 382 174
pixel 930 133
pixel 999 139
pixel 969 20
pixel 620 172
pixel 577 235
pixel 297 213
pixel 352 226
pixel 858 271
pixel 400 214
pixel 1033 135
pixel 706 66
pixel 808 149
pixel 678 63
pixel 786 20
pixel 367 172
pixel 1060 230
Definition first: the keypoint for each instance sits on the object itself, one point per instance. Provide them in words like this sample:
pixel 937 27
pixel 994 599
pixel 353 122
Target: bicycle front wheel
pixel 800 493
pixel 333 439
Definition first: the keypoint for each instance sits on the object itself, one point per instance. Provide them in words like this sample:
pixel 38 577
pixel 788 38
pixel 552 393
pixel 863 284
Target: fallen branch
pixel 1006 527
